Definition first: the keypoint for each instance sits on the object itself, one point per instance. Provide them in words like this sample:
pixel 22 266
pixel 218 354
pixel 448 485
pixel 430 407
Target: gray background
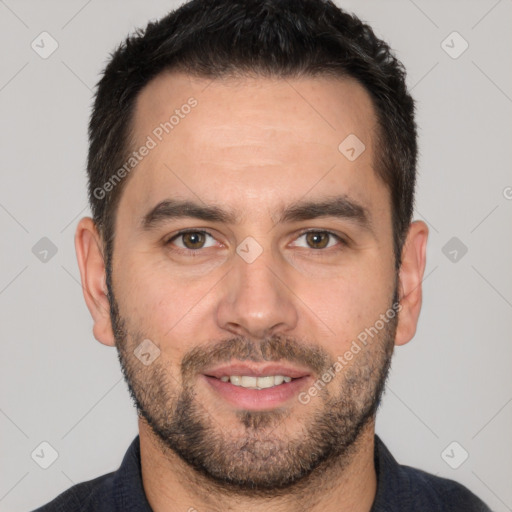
pixel 451 383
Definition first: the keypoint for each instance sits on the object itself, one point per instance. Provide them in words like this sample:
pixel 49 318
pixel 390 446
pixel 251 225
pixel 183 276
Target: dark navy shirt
pixel 399 488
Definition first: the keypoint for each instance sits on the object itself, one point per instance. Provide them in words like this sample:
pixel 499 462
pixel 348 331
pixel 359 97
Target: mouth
pixel 256 388
pixel 251 382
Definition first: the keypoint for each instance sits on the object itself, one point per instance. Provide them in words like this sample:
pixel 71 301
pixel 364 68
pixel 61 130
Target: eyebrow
pixel 339 207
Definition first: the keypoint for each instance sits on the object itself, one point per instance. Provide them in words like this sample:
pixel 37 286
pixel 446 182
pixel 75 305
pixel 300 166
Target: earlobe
pixel 88 246
pixel 410 281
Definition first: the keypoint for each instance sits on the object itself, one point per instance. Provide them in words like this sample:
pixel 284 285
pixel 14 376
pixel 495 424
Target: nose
pixel 256 301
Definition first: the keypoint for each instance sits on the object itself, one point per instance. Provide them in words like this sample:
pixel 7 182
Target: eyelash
pixel 194 252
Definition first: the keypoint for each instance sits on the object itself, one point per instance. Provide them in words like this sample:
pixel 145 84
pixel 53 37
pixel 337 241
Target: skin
pixel 254 145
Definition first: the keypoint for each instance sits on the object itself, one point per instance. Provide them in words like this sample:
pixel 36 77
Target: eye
pixel 320 239
pixel 194 240
pixel 191 240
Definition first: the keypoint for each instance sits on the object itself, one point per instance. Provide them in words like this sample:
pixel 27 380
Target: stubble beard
pixel 256 457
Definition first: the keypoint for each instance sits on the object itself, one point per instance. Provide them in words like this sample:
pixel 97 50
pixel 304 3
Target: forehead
pixel 255 142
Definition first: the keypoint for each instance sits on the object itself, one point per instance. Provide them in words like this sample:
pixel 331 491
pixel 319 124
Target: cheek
pixel 162 306
pixel 143 292
pixel 345 306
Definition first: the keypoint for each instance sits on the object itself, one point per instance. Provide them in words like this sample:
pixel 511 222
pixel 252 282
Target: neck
pixel 171 485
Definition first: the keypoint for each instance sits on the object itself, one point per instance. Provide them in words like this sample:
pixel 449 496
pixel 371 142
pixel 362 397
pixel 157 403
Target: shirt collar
pixel 128 489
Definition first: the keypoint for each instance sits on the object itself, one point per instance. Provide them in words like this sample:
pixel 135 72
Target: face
pixel 287 260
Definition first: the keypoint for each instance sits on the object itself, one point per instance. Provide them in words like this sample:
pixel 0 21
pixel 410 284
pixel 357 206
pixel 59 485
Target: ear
pixel 410 279
pixel 89 252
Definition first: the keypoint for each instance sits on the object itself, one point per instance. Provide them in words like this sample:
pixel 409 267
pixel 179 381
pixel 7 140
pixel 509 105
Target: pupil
pixel 318 239
pixel 194 239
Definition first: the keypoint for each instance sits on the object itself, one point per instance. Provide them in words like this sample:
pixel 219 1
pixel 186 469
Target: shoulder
pixel 430 492
pixel 401 487
pixel 118 490
pixel 94 495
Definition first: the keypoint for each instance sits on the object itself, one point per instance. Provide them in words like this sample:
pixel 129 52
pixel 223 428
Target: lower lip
pixel 257 399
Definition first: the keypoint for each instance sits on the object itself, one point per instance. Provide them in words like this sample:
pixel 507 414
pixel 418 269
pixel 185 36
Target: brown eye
pixel 317 239
pixel 191 240
pixel 320 241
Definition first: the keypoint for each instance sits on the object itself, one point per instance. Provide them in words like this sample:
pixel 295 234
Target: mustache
pixel 274 348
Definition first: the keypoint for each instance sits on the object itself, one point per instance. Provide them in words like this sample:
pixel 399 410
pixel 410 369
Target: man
pixel 252 257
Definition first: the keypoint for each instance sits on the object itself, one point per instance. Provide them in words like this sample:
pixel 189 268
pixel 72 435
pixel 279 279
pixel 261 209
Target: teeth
pixel 250 382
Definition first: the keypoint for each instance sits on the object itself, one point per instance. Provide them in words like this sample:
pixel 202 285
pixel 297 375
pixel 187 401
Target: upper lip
pixel 254 370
